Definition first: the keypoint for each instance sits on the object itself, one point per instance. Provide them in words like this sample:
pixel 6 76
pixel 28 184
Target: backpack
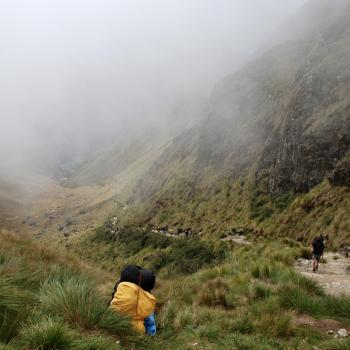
pixel 318 246
pixel 144 278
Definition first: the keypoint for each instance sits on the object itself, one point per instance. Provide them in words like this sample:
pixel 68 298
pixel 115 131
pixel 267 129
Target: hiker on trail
pixel 132 297
pixel 317 251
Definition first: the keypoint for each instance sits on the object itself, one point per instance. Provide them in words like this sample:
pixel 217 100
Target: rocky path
pixel 333 275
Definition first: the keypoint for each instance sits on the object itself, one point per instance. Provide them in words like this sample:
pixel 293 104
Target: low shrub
pixel 176 256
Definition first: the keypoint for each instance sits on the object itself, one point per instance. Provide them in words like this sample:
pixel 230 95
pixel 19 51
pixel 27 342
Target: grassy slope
pixel 198 180
pixel 50 300
pixel 249 300
pixel 231 204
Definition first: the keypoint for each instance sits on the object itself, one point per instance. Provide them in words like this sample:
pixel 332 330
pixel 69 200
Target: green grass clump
pixel 96 343
pixel 48 302
pixel 73 299
pixel 295 298
pixel 243 323
pixel 214 293
pixel 115 323
pixel 260 291
pixel 248 342
pixel 337 344
pixel 6 347
pixel 262 271
pixel 48 334
pixel 13 307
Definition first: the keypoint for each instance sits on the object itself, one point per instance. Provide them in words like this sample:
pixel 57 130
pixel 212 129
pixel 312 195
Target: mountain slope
pixel 274 130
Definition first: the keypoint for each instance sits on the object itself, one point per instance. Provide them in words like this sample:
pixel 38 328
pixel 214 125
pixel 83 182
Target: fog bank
pixel 79 75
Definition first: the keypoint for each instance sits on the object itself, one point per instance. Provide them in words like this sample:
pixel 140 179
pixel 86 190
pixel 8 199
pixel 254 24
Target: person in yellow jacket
pixel 132 297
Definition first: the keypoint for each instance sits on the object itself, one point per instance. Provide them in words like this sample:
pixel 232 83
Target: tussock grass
pixel 50 304
pixel 13 307
pixel 47 334
pixel 213 293
pixel 243 324
pixel 295 298
pixel 73 299
pixel 260 291
pixel 115 323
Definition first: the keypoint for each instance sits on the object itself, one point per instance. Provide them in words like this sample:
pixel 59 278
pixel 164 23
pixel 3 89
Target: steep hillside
pixel 274 130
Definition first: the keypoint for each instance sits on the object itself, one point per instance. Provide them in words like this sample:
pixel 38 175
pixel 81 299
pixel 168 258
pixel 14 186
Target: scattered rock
pixel 238 239
pixel 330 332
pixel 343 333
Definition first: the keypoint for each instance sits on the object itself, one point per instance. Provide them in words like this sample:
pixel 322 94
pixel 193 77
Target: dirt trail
pixel 333 275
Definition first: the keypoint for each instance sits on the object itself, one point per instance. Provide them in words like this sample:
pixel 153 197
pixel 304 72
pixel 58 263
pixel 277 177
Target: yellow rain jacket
pixel 133 301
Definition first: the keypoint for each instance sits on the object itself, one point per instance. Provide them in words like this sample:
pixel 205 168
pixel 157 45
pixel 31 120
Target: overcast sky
pixel 74 72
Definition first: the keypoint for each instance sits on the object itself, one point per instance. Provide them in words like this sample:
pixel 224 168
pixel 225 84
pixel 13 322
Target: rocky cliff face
pixel 313 133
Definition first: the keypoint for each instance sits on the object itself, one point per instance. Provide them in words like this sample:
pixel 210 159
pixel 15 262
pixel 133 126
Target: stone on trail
pixel 343 333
